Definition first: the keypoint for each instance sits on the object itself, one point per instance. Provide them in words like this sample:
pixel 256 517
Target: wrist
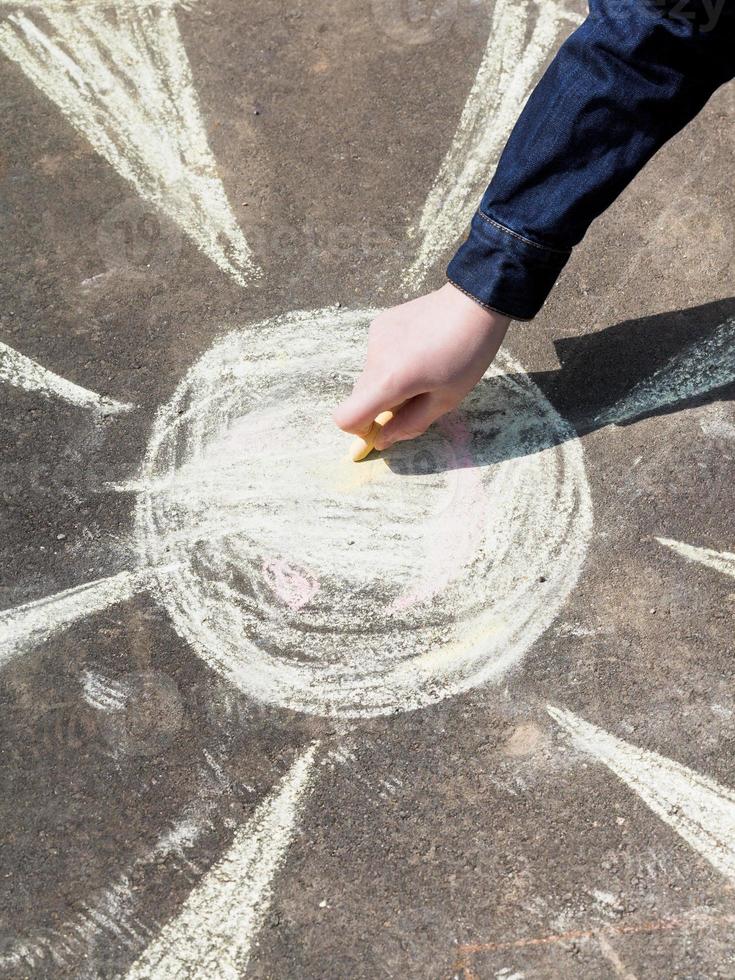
pixel 481 315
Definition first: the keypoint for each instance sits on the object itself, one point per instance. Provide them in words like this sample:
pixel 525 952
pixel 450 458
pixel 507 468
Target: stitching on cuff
pixel 485 306
pixel 514 234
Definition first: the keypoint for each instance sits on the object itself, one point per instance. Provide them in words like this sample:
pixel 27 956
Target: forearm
pixel 621 86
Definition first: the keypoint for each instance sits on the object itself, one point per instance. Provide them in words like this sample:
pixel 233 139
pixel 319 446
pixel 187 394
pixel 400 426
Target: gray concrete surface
pixel 501 850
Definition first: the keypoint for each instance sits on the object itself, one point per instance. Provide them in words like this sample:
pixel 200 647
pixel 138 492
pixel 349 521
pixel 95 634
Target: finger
pixel 359 410
pixel 413 419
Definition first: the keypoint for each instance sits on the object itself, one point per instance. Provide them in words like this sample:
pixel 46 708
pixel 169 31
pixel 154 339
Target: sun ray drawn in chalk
pixel 703 368
pixel 123 80
pixel 21 372
pixel 508 70
pixel 112 914
pixel 213 932
pixel 720 561
pixel 23 627
pixel 699 809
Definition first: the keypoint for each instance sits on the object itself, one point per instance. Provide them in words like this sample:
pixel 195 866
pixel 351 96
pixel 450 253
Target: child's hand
pixel 423 358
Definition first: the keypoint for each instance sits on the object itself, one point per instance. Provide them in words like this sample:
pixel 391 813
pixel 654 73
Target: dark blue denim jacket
pixel 632 75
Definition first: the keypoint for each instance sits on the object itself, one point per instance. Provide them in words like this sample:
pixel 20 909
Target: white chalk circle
pixel 348 589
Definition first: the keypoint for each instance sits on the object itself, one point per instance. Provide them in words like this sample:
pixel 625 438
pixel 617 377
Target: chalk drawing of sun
pixel 303 580
pixel 355 590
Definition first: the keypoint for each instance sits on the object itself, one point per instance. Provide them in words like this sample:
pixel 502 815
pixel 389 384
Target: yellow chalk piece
pixel 361 448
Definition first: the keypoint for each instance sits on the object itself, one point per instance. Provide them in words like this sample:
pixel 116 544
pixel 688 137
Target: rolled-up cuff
pixel 504 271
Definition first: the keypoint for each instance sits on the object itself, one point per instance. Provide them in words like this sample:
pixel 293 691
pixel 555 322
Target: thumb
pixel 413 419
pixel 358 411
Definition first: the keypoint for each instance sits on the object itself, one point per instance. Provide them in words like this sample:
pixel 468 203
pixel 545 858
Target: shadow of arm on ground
pixel 654 365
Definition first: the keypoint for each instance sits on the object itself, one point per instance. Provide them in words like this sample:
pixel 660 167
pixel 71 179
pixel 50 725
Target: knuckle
pixel 389 384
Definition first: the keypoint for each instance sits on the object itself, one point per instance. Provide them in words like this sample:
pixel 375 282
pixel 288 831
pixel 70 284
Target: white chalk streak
pixel 213 933
pixel 123 80
pixel 111 917
pixel 35 622
pixel 702 368
pixel 20 371
pixel 504 81
pixel 721 561
pixel 101 693
pixel 697 808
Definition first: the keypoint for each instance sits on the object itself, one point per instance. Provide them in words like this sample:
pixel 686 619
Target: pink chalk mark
pixel 456 533
pixel 294 586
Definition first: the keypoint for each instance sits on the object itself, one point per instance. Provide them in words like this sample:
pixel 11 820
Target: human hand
pixel 423 357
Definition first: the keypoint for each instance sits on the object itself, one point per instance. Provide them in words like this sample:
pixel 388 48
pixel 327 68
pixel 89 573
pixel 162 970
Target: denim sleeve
pixel 630 77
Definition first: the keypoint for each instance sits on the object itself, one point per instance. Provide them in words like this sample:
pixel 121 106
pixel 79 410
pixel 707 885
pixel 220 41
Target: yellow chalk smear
pixel 342 477
pixel 374 471
pixel 361 448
